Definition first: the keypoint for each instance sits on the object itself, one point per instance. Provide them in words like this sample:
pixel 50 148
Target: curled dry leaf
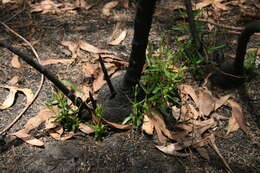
pixel 106 10
pixel 171 148
pixel 188 90
pixel 56 61
pixel 119 39
pixel 206 102
pixel 232 125
pixel 90 48
pixel 58 134
pixel 86 129
pixel 11 96
pixel 237 115
pixel 28 138
pixel 15 62
pixel 118 126
pixel 148 125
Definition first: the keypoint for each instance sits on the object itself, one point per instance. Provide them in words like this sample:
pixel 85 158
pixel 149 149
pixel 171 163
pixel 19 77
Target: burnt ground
pixel 129 151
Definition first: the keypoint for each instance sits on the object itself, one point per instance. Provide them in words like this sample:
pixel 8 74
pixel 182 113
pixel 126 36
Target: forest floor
pixel 126 151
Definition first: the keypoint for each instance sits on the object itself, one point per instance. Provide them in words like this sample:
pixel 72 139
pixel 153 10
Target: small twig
pixel 107 78
pixel 215 148
pixel 227 27
pixel 37 92
pixel 222 25
pixel 93 101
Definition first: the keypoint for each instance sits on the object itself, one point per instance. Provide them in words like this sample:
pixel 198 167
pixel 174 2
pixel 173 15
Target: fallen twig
pixel 38 90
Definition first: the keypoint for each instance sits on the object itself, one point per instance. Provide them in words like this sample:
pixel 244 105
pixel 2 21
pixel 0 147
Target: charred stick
pixel 93 101
pixel 75 100
pixel 107 78
pixel 192 25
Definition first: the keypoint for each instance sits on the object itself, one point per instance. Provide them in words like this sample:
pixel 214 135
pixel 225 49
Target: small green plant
pixel 99 127
pixel 68 116
pixel 136 116
pixel 164 70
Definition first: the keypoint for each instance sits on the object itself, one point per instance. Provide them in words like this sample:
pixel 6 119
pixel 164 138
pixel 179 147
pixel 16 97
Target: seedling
pixel 99 127
pixel 68 115
pixel 136 116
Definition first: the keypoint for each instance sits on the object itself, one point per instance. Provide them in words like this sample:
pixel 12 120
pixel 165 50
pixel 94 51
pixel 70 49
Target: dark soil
pixel 128 151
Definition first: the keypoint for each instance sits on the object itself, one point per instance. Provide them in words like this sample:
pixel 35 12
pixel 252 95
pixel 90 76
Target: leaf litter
pixel 197 120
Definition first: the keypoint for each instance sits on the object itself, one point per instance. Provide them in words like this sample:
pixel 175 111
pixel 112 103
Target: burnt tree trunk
pixel 142 26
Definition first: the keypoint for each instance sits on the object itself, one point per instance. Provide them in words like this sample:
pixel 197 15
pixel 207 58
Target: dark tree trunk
pixel 244 37
pixel 143 20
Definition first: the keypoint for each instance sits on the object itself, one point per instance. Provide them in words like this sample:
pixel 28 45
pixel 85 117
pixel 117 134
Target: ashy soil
pixel 126 151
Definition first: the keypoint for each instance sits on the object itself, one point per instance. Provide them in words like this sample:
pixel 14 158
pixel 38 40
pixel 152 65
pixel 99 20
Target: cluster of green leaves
pixel 67 116
pixel 164 70
pixel 99 127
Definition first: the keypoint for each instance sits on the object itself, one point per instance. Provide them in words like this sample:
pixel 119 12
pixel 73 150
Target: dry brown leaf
pixel 118 126
pixel 238 115
pixel 171 148
pixel 220 6
pixel 232 125
pixel 58 134
pixel 11 96
pixel 206 3
pixel 188 90
pixel 45 6
pixel 194 114
pixel 73 47
pixel 90 48
pixel 15 62
pixel 56 61
pixel 50 124
pixel 28 138
pixel 90 70
pixel 98 82
pixel 86 129
pixel 160 126
pixel 148 125
pixel 9 100
pixel 106 10
pixel 221 101
pixel 13 81
pixel 119 39
pixel 41 117
pixel 206 102
pixel 85 95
